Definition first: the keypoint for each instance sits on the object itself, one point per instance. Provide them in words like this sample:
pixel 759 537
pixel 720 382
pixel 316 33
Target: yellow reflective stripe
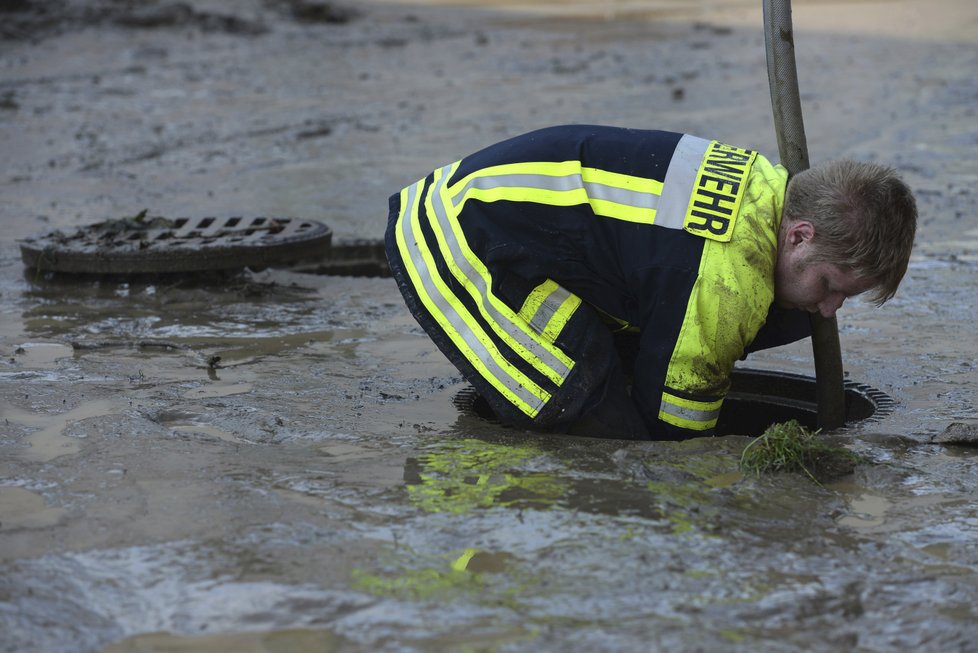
pixel 537 168
pixel 689 413
pixel 619 180
pixel 622 212
pixel 637 204
pixel 434 207
pixel 533 301
pixel 573 197
pixel 452 316
pixel 550 182
pixel 472 273
pixel 548 308
pixel 561 316
pixel 563 183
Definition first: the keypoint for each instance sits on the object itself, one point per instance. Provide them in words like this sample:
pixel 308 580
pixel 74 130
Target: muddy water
pixel 272 461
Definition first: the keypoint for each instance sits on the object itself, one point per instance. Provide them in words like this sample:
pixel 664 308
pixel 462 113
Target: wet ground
pixel 315 489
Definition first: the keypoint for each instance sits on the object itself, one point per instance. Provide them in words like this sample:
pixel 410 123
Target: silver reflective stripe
pixel 456 257
pixel 547 308
pixel 690 414
pixel 680 177
pixel 617 195
pixel 475 344
pixel 519 180
pixel 560 183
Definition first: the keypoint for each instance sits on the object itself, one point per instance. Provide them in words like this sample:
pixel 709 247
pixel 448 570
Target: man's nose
pixel 828 306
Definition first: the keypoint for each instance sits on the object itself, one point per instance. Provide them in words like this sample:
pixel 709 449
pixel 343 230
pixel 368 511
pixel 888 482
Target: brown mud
pixel 272 460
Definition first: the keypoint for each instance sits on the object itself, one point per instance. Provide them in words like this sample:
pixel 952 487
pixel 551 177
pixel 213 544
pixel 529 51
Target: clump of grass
pixel 790 447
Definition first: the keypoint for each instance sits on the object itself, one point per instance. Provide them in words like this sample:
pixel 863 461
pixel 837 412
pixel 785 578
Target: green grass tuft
pixel 790 447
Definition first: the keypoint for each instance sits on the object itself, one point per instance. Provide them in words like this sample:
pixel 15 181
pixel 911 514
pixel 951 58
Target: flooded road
pixel 272 461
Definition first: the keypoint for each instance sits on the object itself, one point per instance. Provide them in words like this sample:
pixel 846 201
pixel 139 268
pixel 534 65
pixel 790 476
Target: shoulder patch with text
pixel 718 191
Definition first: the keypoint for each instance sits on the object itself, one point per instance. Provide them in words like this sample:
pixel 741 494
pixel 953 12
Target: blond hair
pixel 865 218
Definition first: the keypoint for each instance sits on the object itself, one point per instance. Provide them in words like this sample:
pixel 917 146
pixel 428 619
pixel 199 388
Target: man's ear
pixel 800 231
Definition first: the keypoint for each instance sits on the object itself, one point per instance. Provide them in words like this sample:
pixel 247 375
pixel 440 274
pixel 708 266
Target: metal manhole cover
pixel 152 245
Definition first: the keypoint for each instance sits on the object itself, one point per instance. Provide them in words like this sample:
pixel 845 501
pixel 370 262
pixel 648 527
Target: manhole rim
pixel 466 399
pixel 179 246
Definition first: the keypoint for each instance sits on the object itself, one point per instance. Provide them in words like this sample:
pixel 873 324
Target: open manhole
pixel 757 399
pixel 158 245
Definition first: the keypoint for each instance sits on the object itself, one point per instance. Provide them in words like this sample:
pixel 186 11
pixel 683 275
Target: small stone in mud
pixel 182 14
pixel 15 5
pixel 7 102
pixel 170 15
pixel 312 11
pixel 958 433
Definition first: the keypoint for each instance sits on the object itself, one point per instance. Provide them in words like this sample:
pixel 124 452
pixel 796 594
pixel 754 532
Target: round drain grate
pixel 154 245
pixel 757 399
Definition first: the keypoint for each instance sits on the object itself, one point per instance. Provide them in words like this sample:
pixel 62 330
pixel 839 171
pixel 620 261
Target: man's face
pixel 813 286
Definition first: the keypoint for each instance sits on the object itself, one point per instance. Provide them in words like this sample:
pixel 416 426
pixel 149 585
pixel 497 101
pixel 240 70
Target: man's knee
pixel 594 401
